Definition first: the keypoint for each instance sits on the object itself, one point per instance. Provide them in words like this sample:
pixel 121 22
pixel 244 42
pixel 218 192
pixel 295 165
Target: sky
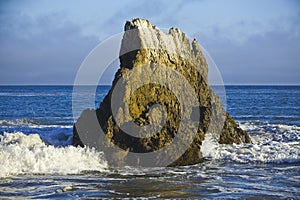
pixel 252 42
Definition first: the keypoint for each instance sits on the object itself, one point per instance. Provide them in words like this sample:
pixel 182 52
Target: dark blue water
pixel 52 105
pixel 37 161
pixel 45 110
pixel 269 104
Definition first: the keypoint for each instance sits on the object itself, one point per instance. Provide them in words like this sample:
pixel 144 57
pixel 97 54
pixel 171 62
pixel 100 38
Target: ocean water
pixel 37 160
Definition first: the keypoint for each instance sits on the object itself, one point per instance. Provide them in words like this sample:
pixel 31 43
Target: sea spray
pixel 28 154
pixel 209 147
pixel 272 143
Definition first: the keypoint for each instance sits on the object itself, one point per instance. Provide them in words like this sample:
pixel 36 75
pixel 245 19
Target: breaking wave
pixel 31 153
pixel 28 154
pixel 272 143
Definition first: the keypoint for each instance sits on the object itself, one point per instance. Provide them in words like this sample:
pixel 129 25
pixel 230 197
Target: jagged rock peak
pixel 144 23
pixel 137 23
pixel 140 34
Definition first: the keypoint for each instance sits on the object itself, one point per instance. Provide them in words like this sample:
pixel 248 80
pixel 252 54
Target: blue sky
pixel 252 42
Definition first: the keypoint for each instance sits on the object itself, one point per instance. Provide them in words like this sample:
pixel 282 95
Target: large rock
pixel 160 89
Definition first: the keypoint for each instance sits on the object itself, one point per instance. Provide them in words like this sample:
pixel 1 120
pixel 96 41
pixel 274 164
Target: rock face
pixel 161 88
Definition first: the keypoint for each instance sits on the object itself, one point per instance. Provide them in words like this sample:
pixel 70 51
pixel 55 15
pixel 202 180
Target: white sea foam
pixel 30 123
pixel 26 94
pixel 17 122
pixel 272 143
pixel 209 146
pixel 28 154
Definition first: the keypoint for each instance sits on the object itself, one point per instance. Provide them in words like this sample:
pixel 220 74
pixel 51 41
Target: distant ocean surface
pixel 37 160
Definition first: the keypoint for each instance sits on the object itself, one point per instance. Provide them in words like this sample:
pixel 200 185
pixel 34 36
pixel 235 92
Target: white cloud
pixel 44 50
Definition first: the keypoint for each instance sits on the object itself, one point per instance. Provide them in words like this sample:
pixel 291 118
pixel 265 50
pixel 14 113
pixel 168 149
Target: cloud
pixel 45 43
pixel 154 11
pixel 47 49
pixel 271 58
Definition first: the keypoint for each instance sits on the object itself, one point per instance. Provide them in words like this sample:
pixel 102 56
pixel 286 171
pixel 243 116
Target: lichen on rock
pixel 153 98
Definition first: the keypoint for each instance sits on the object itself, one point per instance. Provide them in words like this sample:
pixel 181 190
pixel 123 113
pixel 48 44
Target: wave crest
pixel 27 154
pixel 272 143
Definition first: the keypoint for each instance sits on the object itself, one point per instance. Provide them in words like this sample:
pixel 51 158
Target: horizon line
pixel 111 84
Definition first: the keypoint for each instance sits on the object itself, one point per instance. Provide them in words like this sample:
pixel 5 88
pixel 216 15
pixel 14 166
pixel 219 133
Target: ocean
pixel 37 160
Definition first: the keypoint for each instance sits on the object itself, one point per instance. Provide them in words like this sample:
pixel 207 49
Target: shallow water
pixel 37 161
pixel 210 179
